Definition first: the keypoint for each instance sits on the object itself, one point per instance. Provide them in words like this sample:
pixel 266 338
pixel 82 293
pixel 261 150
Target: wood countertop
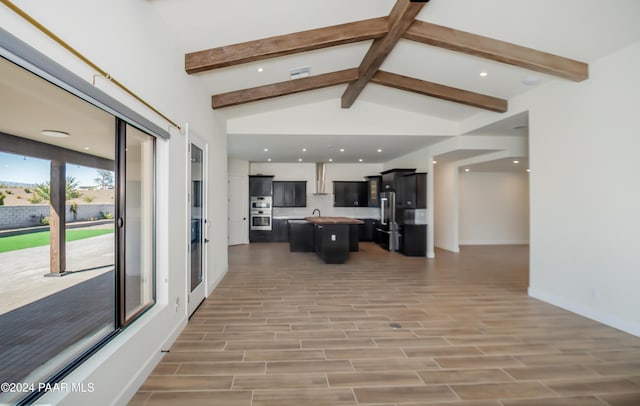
pixel 333 220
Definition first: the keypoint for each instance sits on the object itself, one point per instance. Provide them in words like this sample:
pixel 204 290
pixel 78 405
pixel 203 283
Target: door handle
pixel 206 240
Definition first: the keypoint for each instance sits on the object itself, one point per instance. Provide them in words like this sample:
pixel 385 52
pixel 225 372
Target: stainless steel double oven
pixel 260 213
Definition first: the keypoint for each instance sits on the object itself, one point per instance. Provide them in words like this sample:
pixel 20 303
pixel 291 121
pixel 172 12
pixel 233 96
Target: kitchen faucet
pixel 314 212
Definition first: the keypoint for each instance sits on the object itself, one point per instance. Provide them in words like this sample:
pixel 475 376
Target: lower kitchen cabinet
pixel 331 242
pixel 366 230
pixel 280 230
pixel 260 236
pixel 413 240
pixel 300 236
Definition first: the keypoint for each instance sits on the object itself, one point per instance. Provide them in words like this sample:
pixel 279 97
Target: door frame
pixel 195 297
pixel 243 202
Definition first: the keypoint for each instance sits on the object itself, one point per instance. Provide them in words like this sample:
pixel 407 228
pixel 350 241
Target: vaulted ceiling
pixel 385 33
pixel 423 58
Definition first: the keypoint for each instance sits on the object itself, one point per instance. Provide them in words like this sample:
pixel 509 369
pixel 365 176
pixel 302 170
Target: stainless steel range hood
pixel 321 173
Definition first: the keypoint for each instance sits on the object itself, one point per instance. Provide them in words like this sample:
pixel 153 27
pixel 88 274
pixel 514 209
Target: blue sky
pixel 16 168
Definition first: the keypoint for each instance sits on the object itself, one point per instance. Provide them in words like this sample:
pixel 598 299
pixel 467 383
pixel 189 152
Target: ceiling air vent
pixel 300 73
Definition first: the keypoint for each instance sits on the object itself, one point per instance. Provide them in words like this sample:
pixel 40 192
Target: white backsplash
pixel 324 203
pixel 420 216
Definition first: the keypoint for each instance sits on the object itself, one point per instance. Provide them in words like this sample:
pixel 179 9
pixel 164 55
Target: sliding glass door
pixel 77 235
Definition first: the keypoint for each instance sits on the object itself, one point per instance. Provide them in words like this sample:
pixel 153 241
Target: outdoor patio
pixel 42 316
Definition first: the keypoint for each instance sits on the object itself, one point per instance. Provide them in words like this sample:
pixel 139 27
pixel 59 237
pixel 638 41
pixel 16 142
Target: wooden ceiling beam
pixel 285 44
pixel 400 19
pixel 496 50
pixel 283 88
pixel 440 91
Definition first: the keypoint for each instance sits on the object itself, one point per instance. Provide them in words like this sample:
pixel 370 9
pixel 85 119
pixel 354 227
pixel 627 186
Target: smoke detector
pixel 300 73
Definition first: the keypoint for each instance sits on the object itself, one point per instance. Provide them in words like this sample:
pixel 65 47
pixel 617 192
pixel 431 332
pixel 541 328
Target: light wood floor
pixel 283 329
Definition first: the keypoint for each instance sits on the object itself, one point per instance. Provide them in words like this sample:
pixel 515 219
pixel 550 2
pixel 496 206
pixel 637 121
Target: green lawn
pixel 18 242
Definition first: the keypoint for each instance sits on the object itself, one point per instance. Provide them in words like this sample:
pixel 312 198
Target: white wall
pixel 142 55
pixel 584 144
pixel 494 207
pixel 307 172
pixel 445 211
pixel 238 167
pixel 584 209
pixel 325 117
pixel 417 159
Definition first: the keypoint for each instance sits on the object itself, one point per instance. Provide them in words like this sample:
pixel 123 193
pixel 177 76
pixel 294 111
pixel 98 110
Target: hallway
pixel 285 329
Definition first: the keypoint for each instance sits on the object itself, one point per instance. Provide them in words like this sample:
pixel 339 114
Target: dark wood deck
pixel 34 334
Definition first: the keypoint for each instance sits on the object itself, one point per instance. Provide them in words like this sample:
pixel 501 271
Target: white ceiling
pixel 582 29
pixel 585 30
pixel 29 104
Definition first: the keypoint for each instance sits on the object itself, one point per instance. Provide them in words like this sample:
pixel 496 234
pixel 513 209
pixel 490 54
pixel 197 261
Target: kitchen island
pixel 333 237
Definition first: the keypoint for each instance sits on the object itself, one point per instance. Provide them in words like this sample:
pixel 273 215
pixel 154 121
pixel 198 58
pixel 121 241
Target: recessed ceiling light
pixel 260 69
pixel 266 150
pixel 330 159
pixel 379 150
pixel 341 149
pixel 467 170
pixel 528 170
pixel 269 160
pixel 55 133
pixel 483 74
pixel 435 162
pixel 360 160
pixel 516 162
pixel 304 150
pixel 86 148
pixel 530 80
pixel 299 159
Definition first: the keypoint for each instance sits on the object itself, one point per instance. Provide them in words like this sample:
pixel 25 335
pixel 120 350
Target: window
pixel 77 216
pixel 138 227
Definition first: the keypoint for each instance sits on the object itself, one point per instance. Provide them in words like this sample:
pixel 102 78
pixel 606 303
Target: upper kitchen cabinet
pixel 289 194
pixel 413 191
pixel 350 194
pixel 392 179
pixel 374 183
pixel 260 185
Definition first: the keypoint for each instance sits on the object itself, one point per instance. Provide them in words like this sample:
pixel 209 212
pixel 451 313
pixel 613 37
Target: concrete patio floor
pixel 22 271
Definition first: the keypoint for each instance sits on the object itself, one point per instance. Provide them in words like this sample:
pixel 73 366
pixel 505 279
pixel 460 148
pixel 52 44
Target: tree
pixel 43 190
pixel 104 179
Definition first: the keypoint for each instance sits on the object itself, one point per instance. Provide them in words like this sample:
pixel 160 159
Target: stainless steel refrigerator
pixel 389 235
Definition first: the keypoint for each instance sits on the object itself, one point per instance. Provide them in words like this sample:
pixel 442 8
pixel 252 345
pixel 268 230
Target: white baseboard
pixel 145 370
pixel 216 282
pixel 588 312
pixel 449 248
pixel 494 242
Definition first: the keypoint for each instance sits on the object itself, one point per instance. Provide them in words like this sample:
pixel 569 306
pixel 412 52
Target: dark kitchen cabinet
pixel 374 183
pixel 280 232
pixel 260 185
pixel 414 191
pixel 350 194
pixel 300 236
pixel 392 179
pixel 366 230
pixel 421 190
pixel 289 194
pixel 260 236
pixel 413 240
